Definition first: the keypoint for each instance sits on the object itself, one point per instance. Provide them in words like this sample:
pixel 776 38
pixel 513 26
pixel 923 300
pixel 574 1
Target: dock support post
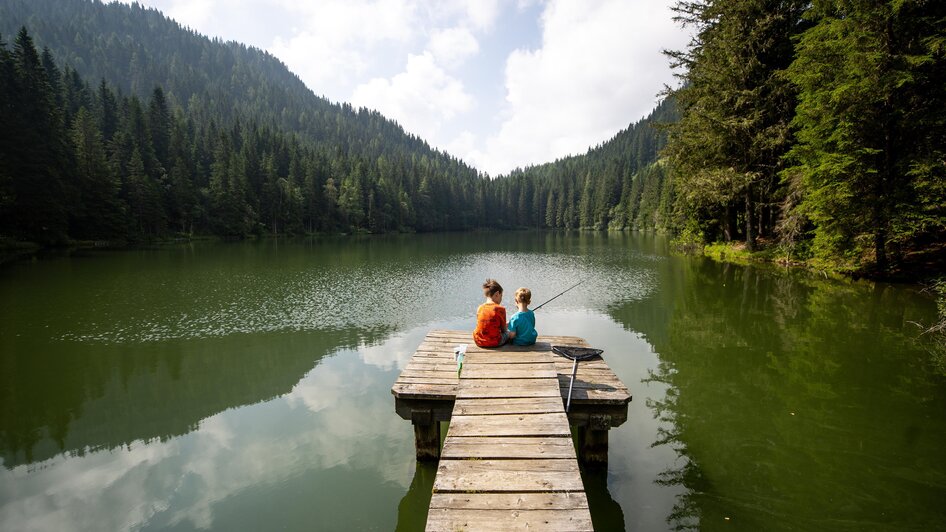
pixel 426 435
pixel 593 440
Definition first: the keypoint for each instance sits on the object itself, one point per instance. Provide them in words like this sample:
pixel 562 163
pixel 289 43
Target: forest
pixel 812 128
pixel 818 126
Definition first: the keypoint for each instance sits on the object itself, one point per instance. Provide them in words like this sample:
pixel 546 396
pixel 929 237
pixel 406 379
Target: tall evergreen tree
pixel 37 150
pixel 870 124
pixel 735 110
pixel 100 214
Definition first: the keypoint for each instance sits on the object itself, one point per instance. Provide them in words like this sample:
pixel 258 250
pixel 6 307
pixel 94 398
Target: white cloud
pixel 599 68
pixel 193 13
pixel 452 46
pixel 463 146
pixel 479 15
pixel 339 40
pixel 428 64
pixel 421 98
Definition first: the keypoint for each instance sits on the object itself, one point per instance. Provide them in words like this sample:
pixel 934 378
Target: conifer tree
pixel 37 158
pixel 100 214
pixel 735 109
pixel 870 127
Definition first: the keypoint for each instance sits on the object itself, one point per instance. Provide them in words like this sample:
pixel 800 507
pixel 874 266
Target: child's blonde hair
pixel 524 296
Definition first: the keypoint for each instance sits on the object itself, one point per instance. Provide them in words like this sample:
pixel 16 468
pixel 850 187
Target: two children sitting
pixel 491 327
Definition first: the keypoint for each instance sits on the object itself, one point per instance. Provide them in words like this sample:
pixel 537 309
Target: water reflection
pixel 412 511
pixel 606 513
pixel 254 455
pixel 105 397
pixel 247 386
pixel 794 404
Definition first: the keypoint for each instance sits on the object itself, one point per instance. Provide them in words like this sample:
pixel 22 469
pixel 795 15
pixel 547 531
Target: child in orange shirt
pixel 491 318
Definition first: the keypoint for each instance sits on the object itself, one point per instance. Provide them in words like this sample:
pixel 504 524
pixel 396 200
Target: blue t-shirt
pixel 523 323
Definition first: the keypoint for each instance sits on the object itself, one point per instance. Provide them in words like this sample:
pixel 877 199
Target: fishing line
pixel 561 293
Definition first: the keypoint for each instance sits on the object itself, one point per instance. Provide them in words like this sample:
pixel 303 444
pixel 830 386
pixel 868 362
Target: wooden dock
pixel 508 462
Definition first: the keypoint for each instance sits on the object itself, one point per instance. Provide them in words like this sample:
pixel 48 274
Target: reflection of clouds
pixel 347 420
pixel 394 352
pixel 81 493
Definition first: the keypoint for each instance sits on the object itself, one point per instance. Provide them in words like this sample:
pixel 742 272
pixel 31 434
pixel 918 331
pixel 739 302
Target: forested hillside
pixel 619 184
pixel 815 128
pixel 147 129
pixel 129 127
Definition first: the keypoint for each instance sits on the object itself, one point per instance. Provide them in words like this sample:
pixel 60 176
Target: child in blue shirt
pixel 523 322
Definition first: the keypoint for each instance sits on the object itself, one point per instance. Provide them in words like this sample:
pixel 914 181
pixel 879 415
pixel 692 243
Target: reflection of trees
pixel 412 511
pixel 606 513
pixel 793 403
pixel 107 396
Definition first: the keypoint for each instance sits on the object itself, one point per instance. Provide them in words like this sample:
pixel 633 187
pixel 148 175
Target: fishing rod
pixel 559 294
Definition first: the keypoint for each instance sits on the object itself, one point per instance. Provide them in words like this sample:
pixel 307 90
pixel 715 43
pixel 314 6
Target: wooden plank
pixel 507 371
pixel 508 475
pixel 430 370
pixel 584 396
pixel 503 520
pixel 592 367
pixel 504 383
pixel 500 357
pixel 603 383
pixel 460 447
pixel 426 380
pixel 425 391
pixel 420 374
pixel 506 392
pixel 530 405
pixel 509 501
pixel 551 424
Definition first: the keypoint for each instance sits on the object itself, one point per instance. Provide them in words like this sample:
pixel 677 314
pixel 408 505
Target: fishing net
pixel 576 353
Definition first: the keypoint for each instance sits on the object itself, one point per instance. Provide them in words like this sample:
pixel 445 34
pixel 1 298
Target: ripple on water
pixel 394 294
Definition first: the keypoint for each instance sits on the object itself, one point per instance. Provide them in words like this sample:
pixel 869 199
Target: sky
pixel 499 84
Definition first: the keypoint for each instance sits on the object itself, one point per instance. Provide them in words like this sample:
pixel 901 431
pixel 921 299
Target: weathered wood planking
pixel 511 476
pixel 431 373
pixel 428 392
pixel 508 462
pixel 507 501
pixel 499 447
pixel 552 424
pixel 516 405
pixel 506 520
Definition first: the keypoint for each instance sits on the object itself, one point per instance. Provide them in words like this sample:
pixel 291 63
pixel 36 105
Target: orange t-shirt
pixel 490 318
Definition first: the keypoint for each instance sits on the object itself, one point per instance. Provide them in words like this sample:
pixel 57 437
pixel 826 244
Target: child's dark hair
pixel 490 287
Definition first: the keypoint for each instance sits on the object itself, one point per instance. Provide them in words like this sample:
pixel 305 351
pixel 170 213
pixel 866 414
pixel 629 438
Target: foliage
pixel 938 331
pixel 735 111
pixel 870 124
pixel 819 123
pixel 689 240
pixel 620 184
pixel 198 136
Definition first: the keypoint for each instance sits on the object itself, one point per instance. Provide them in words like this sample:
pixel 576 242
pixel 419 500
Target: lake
pixel 246 385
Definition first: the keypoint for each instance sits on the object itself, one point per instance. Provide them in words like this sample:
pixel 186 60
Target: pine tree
pixel 37 156
pixel 735 109
pixel 100 213
pixel 870 106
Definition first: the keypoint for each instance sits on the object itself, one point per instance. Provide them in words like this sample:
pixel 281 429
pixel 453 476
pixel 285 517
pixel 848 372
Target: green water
pixel 246 386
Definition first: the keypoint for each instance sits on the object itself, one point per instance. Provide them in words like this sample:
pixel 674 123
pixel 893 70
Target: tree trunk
pixel 750 219
pixel 730 227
